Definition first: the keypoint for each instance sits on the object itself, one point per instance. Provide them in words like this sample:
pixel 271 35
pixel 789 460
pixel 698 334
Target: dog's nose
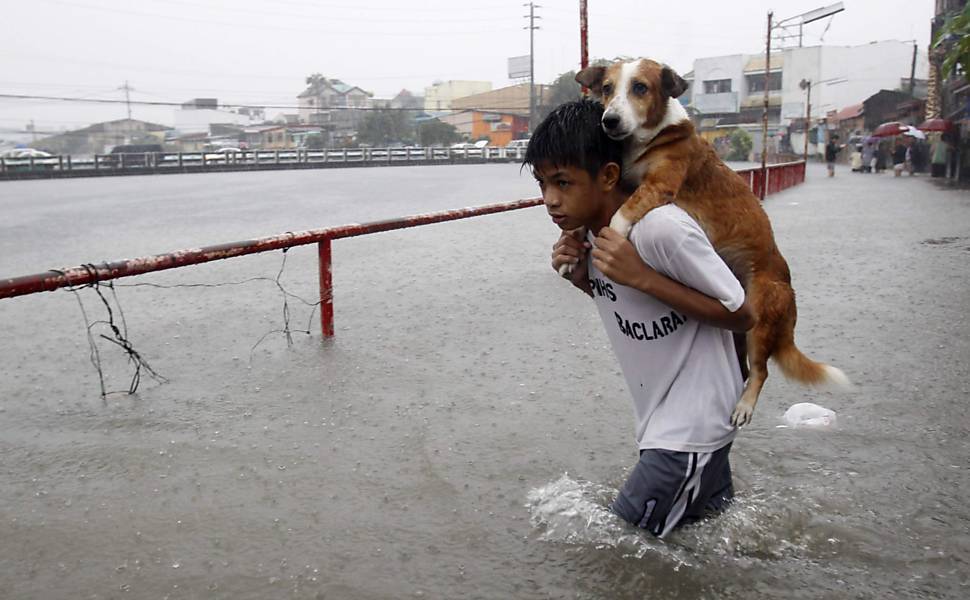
pixel 610 121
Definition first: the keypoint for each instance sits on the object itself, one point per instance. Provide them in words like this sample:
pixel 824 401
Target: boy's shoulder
pixel 664 225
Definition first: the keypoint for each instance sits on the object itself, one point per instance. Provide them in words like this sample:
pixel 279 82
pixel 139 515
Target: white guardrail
pixel 200 160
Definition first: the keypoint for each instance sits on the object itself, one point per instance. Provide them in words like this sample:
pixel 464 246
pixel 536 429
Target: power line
pixel 262 26
pixel 249 105
pixel 330 17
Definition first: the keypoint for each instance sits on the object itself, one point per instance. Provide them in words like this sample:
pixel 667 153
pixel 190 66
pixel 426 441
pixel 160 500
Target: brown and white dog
pixel 668 162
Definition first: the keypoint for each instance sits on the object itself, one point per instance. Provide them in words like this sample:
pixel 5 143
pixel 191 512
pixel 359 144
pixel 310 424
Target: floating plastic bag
pixel 806 414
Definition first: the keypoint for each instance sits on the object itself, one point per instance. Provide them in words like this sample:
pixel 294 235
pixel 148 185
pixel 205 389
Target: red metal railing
pixel 91 273
pixel 779 177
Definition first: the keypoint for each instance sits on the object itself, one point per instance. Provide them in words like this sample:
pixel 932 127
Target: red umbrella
pixel 890 129
pixel 936 125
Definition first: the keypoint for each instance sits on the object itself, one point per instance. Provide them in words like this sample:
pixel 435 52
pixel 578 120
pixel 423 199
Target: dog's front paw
pixel 621 224
pixel 566 269
pixel 742 414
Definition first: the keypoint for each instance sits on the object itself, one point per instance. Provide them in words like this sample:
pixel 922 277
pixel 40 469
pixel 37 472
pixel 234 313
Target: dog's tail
pixel 799 367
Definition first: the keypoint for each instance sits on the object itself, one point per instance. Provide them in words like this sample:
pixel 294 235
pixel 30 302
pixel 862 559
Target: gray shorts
pixel 667 489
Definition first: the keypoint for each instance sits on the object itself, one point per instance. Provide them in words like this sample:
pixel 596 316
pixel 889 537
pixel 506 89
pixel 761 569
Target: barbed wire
pixel 119 335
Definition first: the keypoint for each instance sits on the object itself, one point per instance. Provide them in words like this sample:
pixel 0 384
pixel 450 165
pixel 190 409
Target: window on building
pixel 717 86
pixel 756 83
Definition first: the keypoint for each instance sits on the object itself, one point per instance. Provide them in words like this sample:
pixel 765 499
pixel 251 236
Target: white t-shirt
pixel 683 375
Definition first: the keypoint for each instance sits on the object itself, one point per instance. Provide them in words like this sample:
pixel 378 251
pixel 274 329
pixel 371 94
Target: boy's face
pixel 572 196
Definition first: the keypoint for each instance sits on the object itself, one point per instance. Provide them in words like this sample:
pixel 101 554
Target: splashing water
pixel 577 512
pixel 757 526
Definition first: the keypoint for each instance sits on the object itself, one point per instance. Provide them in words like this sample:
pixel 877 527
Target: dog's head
pixel 635 94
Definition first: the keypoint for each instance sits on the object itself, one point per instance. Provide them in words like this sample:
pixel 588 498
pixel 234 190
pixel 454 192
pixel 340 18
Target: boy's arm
pixel 616 257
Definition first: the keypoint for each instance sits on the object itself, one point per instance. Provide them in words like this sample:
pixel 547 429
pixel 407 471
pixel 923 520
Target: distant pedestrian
pixel 899 158
pixel 855 158
pixel 831 152
pixel 868 156
pixel 939 152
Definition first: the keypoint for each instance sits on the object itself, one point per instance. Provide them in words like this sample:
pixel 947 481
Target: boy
pixel 667 302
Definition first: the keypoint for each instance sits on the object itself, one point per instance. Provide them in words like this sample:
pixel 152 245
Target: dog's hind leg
pixel 771 301
pixel 758 373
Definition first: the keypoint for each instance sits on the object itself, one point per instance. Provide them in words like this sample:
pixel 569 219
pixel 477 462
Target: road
pixel 462 433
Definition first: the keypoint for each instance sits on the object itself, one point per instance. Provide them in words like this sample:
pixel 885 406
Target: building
pixel 406 100
pixel 440 95
pixel 890 105
pixel 198 114
pixel 949 96
pixel 100 138
pixel 850 120
pixel 334 106
pixel 280 137
pixel 189 142
pixel 499 116
pixel 728 91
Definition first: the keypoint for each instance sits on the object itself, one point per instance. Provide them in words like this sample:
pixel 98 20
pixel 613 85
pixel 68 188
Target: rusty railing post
pixel 326 288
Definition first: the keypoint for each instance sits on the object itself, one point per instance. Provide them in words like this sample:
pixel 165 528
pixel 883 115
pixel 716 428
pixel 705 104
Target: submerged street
pixel 464 431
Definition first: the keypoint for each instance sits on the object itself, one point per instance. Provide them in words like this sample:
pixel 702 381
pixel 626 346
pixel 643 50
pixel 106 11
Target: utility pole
pixel 532 65
pixel 764 114
pixel 583 36
pixel 127 89
pixel 912 71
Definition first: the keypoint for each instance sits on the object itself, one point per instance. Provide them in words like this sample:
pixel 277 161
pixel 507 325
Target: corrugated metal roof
pixel 850 112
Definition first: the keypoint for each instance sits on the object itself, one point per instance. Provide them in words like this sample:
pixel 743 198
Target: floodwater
pixel 462 434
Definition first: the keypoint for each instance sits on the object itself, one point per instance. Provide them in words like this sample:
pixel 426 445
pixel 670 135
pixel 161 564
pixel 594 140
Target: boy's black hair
pixel 572 136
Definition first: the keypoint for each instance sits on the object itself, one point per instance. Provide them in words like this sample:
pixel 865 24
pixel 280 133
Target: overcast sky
pixel 260 51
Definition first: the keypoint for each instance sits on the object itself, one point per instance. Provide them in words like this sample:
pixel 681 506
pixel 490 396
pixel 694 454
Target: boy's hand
pixel 616 258
pixel 572 249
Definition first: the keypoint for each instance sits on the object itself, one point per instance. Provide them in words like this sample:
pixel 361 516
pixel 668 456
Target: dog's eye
pixel 607 89
pixel 639 88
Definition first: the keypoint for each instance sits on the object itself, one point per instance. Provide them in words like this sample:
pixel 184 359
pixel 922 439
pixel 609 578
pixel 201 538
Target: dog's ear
pixel 672 84
pixel 592 77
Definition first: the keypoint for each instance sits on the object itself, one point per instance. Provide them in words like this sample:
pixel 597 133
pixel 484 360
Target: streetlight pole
pixel 764 114
pixel 804 18
pixel 806 84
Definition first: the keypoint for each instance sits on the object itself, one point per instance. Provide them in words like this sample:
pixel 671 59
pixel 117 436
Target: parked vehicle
pixel 26 159
pixel 133 155
pixel 517 144
pixel 26 153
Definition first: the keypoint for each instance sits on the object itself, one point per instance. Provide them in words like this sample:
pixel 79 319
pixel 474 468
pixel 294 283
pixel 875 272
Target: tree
pixel 436 131
pixel 740 145
pixel 954 39
pixel 384 127
pixel 565 88
pixel 315 141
